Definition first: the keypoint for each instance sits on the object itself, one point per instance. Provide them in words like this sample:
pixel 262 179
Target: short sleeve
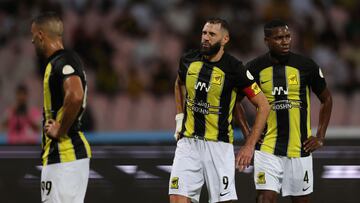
pixel 245 82
pixel 68 66
pixel 317 80
pixel 182 69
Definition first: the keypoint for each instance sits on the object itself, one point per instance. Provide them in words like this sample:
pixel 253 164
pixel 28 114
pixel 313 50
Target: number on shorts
pixel 306 178
pixel 226 182
pixel 46 186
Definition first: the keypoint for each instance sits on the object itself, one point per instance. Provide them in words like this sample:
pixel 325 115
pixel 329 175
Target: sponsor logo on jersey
pixel 285 104
pixel 202 107
pixel 280 91
pixel 202 86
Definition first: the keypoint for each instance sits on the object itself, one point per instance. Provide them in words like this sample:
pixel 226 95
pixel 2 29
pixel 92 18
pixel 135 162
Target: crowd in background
pixel 131 50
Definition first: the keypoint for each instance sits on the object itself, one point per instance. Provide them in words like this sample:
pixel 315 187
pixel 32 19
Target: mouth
pixel 285 48
pixel 205 45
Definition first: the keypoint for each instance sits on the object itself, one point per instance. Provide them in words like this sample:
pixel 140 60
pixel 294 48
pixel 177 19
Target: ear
pixel 41 35
pixel 225 39
pixel 266 41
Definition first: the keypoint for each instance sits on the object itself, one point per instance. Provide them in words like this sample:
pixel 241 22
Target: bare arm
pixel 313 143
pixel 73 99
pixel 262 113
pixel 179 95
pixel 179 102
pixel 240 117
pixel 244 156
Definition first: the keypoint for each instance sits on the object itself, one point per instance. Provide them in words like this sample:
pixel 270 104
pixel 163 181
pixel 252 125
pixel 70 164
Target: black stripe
pixel 54 156
pixel 78 145
pixel 282 115
pixel 201 97
pixel 183 128
pixel 303 114
pixel 223 123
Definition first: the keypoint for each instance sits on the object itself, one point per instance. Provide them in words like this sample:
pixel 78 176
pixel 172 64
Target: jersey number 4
pixel 306 177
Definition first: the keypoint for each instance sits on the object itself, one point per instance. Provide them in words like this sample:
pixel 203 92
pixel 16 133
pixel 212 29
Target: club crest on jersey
pixel 174 183
pixel 292 79
pixel 216 79
pixel 260 178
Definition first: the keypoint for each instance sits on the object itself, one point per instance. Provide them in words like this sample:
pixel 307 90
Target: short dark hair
pixel 269 26
pixel 224 24
pixel 48 18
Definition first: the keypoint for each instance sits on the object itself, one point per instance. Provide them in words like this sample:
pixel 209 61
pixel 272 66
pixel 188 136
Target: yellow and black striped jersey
pixel 287 87
pixel 211 90
pixel 73 145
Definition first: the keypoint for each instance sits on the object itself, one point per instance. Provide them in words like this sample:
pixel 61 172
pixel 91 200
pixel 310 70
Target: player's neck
pixel 279 58
pixel 53 47
pixel 216 57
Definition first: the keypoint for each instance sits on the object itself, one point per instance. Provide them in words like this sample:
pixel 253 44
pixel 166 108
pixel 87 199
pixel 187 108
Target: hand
pixel 243 157
pixel 312 144
pixel 52 128
pixel 179 119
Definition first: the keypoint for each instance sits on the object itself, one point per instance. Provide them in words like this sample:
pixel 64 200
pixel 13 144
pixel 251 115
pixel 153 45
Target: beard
pixel 209 51
pixel 39 53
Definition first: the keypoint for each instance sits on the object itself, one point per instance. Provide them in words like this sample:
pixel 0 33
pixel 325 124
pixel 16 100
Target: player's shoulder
pixel 191 55
pixel 259 63
pixel 66 57
pixel 302 61
pixel 232 60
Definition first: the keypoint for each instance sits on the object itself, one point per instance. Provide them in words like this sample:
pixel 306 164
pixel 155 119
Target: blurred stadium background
pixel 131 50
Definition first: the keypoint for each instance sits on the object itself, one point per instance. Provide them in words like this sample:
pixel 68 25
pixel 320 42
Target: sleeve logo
pixel 249 76
pixel 320 73
pixel 67 69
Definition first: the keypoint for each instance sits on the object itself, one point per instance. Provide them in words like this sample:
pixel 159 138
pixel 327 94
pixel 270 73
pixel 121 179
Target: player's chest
pixel 282 81
pixel 205 78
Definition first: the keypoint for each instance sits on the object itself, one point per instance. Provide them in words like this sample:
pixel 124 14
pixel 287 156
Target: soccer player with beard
pixel 65 150
pixel 205 94
pixel 283 159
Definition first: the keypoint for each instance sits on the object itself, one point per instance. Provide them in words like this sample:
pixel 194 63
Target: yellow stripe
pixel 86 143
pixel 47 93
pixel 266 84
pixel 46 151
pixel 213 98
pixel 308 119
pixel 231 108
pixel 47 110
pixel 66 148
pixel 293 81
pixel 191 79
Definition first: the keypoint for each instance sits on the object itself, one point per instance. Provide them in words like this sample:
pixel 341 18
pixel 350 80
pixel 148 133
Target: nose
pixel 205 37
